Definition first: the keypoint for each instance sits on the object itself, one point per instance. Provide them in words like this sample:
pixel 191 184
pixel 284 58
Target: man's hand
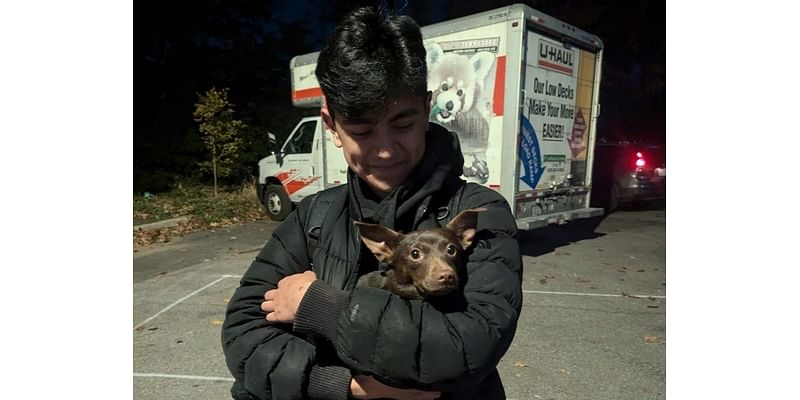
pixel 366 387
pixel 281 304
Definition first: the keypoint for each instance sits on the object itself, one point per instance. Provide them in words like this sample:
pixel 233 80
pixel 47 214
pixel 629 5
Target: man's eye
pixel 415 255
pixel 452 249
pixel 403 127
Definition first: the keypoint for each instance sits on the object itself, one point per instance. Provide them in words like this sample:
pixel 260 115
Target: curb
pixel 161 224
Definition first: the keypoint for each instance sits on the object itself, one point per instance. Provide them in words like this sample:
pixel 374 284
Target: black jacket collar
pixel 440 168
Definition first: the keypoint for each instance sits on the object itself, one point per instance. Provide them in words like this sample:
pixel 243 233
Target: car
pixel 628 173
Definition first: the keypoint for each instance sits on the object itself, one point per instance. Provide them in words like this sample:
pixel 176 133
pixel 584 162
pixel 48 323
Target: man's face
pixel 383 148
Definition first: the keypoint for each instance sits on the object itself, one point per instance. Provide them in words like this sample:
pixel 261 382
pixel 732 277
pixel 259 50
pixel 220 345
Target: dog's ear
pixel 464 225
pixel 380 240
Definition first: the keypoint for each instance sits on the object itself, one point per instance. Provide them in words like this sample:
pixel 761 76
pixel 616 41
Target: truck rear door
pixel 556 118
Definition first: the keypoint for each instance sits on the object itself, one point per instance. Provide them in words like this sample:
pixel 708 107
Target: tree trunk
pixel 214 167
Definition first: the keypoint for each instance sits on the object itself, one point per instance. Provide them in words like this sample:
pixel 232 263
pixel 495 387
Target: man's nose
pixel 384 144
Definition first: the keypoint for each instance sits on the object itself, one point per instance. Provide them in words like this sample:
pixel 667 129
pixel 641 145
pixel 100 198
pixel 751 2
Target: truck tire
pixel 277 203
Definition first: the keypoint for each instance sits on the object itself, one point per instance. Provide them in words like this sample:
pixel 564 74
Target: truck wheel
pixel 277 203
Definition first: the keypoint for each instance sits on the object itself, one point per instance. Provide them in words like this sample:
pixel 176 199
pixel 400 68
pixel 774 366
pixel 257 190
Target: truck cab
pixel 306 163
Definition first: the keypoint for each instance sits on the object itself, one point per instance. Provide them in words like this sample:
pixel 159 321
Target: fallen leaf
pixel 225 301
pixel 520 364
pixel 563 371
pixel 650 339
pixel 152 329
pixel 216 322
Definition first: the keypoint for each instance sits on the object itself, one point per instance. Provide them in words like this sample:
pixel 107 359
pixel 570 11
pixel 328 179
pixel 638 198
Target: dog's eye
pixel 415 255
pixel 460 92
pixel 451 249
pixel 444 86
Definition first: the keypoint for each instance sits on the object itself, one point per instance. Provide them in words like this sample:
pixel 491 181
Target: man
pixel 298 328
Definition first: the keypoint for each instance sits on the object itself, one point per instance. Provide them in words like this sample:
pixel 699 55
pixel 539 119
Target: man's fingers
pixel 270 294
pixel 267 306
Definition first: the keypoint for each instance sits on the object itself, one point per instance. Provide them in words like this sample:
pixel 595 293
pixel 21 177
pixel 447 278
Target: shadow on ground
pixel 544 240
pixel 652 205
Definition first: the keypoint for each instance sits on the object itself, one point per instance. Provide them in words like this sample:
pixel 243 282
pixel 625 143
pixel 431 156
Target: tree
pixel 220 132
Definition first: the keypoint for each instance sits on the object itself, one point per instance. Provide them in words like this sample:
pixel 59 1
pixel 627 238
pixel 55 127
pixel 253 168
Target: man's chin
pixel 385 184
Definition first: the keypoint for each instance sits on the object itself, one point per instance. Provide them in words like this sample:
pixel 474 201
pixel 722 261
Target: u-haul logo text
pixel 555 57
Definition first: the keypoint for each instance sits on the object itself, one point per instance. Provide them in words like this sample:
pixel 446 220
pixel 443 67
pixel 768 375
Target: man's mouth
pixel 384 167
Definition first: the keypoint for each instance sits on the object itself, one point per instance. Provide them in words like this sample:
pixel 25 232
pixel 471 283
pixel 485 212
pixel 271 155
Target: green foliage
pixel 220 132
pixel 234 205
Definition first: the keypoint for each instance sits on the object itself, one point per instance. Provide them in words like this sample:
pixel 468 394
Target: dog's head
pixel 429 259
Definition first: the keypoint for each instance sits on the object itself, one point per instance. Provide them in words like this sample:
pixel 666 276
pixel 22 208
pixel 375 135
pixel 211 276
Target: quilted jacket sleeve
pixel 267 360
pixel 450 342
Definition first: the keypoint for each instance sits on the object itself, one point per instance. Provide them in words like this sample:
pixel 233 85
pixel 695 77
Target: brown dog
pixel 421 263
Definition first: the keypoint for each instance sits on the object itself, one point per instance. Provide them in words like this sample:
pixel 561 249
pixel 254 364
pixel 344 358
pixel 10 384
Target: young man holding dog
pixel 297 327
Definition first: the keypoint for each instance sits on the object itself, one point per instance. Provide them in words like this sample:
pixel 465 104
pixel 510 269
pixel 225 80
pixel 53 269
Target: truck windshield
pixel 302 139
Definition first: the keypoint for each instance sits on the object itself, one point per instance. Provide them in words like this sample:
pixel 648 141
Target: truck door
pixel 555 121
pixel 301 170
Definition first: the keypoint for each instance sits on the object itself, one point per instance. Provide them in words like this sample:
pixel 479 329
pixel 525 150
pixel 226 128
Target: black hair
pixel 369 60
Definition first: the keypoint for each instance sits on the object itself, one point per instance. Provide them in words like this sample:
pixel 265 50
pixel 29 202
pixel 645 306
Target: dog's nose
pixel 447 277
pixel 449 105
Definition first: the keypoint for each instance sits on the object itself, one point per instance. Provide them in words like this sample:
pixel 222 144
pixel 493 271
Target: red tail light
pixel 639 159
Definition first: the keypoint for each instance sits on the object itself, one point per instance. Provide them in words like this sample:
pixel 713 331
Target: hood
pixel 439 170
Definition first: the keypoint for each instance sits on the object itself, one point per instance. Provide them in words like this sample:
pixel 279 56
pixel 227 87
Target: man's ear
pixel 464 225
pixel 329 123
pixel 380 240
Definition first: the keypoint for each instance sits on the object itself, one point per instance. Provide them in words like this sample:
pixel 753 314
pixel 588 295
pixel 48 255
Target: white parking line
pixel 594 294
pixel 184 298
pixel 193 377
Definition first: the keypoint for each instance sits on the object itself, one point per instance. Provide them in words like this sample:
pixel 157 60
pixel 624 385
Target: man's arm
pixel 267 359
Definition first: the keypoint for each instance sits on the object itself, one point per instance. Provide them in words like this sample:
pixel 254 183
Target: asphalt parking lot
pixel 593 324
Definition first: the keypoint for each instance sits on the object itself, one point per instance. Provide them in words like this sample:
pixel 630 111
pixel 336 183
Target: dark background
pixel 183 48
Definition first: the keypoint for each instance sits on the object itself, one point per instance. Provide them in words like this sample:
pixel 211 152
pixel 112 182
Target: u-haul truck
pixel 519 87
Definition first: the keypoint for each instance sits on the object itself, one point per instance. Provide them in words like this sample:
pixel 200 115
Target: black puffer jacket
pixel 451 343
